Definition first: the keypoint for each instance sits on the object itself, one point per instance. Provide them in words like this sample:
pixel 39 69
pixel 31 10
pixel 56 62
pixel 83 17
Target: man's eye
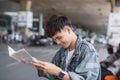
pixel 59 37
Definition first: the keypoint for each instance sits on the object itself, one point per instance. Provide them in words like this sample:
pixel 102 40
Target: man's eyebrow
pixel 56 37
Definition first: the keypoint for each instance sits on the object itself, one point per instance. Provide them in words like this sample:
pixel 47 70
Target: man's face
pixel 62 38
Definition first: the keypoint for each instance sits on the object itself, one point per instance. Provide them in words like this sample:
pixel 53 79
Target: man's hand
pixel 50 68
pixel 47 67
pixel 113 65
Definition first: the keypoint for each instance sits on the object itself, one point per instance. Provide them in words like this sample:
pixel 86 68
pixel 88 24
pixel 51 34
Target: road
pixel 10 69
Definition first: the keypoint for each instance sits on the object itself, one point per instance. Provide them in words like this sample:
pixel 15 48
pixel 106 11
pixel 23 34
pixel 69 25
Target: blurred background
pixel 22 26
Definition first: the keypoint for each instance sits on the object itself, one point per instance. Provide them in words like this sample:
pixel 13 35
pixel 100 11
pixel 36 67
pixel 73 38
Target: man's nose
pixel 57 41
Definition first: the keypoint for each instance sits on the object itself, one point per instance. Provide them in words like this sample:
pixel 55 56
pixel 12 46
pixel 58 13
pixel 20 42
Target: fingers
pixel 39 65
pixel 39 62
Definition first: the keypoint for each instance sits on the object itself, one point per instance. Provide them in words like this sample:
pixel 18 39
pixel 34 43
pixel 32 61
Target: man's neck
pixel 73 43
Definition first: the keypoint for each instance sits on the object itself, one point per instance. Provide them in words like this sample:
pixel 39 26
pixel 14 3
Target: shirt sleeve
pixel 88 68
pixel 48 76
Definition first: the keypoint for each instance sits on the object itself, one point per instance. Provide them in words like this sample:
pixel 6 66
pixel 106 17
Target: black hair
pixel 110 49
pixel 55 24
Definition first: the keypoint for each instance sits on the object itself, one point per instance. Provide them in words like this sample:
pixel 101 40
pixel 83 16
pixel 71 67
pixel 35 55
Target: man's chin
pixel 64 46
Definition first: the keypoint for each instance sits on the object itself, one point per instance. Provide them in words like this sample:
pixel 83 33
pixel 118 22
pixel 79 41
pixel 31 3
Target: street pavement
pixel 10 69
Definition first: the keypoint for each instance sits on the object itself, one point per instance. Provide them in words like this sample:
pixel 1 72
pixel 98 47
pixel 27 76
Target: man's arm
pixel 49 68
pixel 89 66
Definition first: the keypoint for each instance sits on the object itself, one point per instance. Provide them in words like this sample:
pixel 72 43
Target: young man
pixel 77 58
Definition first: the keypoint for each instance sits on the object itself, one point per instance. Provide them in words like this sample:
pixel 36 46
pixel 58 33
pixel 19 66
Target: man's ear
pixel 68 29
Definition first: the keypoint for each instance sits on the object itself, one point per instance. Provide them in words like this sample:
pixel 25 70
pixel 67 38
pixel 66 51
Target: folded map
pixel 21 55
